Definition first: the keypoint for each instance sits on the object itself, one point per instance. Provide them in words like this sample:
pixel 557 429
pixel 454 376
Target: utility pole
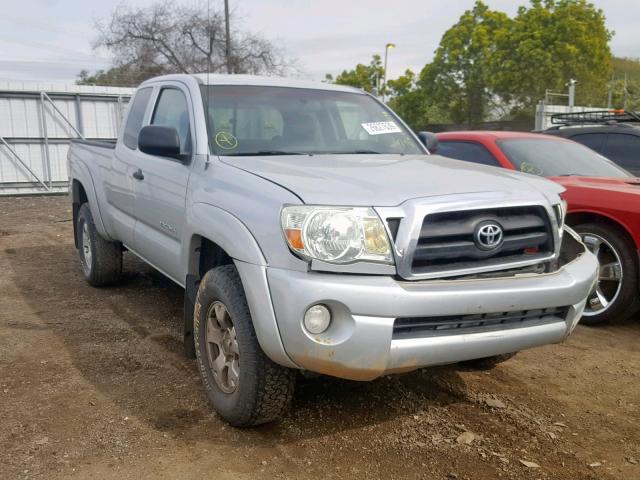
pixel 228 42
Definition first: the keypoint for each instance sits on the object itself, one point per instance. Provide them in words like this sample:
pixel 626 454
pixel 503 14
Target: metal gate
pixel 545 111
pixel 37 123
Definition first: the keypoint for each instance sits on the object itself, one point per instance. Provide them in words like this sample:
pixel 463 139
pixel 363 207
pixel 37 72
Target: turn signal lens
pixel 294 237
pixel 375 237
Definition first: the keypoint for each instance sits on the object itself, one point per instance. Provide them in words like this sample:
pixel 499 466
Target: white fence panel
pixel 544 113
pixel 37 123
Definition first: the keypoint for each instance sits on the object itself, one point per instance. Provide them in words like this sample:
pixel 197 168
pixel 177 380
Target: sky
pixel 50 40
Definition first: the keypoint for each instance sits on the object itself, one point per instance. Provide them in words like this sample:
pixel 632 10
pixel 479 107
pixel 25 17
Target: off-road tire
pixel 487 363
pixel 628 299
pixel 105 264
pixel 265 389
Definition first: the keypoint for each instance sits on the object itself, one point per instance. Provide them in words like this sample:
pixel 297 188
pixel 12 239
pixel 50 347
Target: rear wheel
pixel 616 294
pixel 244 386
pixel 100 259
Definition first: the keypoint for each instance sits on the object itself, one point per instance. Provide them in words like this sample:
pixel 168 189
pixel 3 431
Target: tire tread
pixel 273 384
pixel 107 256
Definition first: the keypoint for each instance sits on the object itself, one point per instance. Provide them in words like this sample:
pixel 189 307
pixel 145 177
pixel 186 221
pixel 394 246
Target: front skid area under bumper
pixel 360 342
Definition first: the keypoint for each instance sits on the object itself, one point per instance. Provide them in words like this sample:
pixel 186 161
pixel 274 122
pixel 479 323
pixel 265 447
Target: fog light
pixel 317 319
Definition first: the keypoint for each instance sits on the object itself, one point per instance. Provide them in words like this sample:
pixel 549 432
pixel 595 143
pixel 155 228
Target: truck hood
pixel 385 180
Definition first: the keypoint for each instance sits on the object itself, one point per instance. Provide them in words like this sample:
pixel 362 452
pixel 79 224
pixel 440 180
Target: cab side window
pixel 595 141
pixel 468 152
pixel 623 149
pixel 172 111
pixel 136 117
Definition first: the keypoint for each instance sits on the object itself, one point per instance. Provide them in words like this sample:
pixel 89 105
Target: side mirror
pixel 160 140
pixel 429 140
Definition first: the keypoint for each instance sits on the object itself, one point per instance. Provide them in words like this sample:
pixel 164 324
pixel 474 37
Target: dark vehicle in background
pixel 603 204
pixel 614 134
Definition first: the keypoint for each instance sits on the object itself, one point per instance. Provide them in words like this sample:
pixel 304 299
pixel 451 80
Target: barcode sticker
pixel 379 128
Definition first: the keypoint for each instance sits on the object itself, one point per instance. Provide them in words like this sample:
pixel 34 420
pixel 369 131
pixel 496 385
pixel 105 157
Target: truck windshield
pixel 256 120
pixel 549 157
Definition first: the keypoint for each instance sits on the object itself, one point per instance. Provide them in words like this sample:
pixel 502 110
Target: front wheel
pixel 244 386
pixel 616 294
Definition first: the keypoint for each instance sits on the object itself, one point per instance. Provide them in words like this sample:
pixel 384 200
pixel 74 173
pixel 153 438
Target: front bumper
pixel 360 343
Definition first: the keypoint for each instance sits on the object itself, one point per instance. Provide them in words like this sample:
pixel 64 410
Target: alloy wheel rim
pixel 223 354
pixel 86 248
pixel 610 275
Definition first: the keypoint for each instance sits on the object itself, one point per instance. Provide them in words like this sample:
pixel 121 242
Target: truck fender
pixel 232 236
pixel 78 171
pixel 226 231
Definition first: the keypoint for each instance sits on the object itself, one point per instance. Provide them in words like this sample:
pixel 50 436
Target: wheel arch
pixel 78 197
pixel 222 239
pixel 581 217
pixel 586 216
pixel 83 188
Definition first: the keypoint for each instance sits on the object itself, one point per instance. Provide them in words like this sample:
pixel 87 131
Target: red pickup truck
pixel 604 204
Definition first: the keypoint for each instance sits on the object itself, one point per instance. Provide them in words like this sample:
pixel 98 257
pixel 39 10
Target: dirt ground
pixel 93 384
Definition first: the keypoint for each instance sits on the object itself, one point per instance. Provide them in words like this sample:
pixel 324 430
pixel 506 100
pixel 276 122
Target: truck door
pixel 119 184
pixel 161 186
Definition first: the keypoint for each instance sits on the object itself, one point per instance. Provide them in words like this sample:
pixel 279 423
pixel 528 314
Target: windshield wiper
pixel 572 175
pixel 357 152
pixel 260 153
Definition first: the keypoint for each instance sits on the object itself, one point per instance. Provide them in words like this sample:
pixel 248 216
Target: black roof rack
pixel 595 117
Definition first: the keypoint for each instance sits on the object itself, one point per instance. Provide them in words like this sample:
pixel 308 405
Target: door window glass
pixel 172 111
pixel 595 141
pixel 624 149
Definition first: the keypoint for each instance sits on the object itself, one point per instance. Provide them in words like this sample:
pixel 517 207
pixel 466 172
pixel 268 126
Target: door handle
pixel 138 175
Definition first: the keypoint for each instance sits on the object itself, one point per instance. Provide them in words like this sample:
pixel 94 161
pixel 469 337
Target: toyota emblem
pixel 488 236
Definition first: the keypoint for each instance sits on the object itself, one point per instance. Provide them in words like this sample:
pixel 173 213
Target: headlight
pixel 336 234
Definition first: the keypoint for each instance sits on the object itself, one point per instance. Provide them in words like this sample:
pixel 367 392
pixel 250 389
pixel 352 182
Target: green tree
pixel 626 76
pixel 460 76
pixel 547 44
pixel 412 103
pixel 367 77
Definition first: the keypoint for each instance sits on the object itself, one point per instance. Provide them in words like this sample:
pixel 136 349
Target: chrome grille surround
pixel 412 214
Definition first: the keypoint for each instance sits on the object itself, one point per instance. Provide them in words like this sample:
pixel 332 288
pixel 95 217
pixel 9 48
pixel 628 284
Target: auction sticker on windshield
pixel 378 128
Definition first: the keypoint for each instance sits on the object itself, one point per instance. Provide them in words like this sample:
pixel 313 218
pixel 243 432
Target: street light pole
pixel 386 54
pixel 228 43
pixel 572 93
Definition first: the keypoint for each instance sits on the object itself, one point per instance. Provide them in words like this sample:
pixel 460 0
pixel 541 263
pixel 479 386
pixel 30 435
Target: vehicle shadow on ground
pixel 126 341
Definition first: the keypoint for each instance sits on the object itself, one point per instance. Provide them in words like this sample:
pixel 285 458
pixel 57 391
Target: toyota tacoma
pixel 312 231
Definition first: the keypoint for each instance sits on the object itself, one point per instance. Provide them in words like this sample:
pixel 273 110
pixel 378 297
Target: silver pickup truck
pixel 312 231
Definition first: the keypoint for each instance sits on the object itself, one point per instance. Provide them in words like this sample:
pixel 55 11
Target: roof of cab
pixel 256 80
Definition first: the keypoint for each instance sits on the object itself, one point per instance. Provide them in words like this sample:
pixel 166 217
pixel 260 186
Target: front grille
pixel 457 324
pixel 448 241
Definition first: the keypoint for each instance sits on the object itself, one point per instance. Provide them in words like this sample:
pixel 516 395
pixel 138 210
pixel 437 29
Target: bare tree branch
pixel 171 38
